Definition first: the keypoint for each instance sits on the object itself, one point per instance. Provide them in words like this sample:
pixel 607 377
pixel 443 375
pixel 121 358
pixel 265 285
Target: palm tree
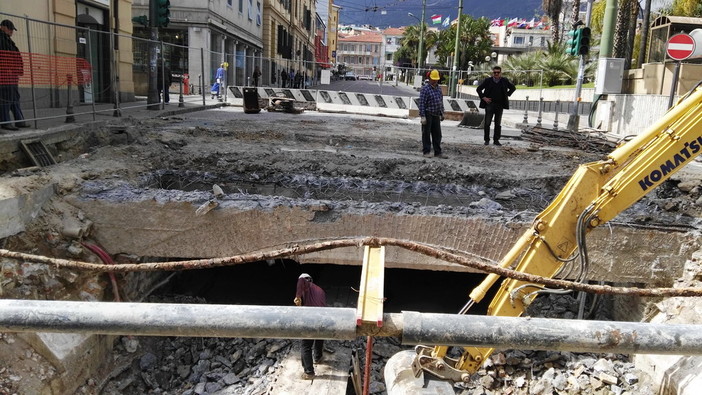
pixel 553 10
pixel 576 11
pixel 621 30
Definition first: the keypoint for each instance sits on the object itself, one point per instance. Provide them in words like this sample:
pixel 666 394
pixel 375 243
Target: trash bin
pixel 251 101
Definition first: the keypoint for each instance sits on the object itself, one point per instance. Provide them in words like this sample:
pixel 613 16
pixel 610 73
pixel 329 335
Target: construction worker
pixel 310 294
pixel 431 112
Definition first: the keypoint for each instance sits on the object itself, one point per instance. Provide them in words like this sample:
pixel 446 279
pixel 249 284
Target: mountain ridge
pixel 394 13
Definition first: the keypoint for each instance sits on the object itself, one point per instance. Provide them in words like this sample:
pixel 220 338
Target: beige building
pixel 333 32
pixel 60 31
pixel 361 53
pixel 288 36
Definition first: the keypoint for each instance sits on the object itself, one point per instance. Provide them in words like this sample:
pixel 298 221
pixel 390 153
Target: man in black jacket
pixel 494 93
pixel 11 68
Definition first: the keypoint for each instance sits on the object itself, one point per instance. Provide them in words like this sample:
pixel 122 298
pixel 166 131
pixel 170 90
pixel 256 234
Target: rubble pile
pixel 589 142
pixel 219 366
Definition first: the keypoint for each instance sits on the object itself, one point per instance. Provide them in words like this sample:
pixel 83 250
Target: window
pixel 518 41
pixel 241 6
pixel 229 2
pixel 258 13
pixel 250 10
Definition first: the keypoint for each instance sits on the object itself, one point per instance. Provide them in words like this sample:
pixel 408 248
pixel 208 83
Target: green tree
pixel 691 8
pixel 474 42
pixel 553 10
pixel 553 64
pixel 409 47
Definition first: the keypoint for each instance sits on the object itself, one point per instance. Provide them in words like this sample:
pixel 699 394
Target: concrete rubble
pixel 331 175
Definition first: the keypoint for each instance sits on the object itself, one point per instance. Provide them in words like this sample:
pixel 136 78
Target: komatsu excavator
pixel 595 194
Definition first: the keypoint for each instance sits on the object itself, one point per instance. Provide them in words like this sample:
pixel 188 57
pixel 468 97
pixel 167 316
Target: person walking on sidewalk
pixel 310 294
pixel 219 82
pixel 494 93
pixel 431 113
pixel 11 68
pixel 256 75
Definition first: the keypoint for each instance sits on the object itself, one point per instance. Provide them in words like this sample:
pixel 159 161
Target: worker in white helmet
pixel 310 294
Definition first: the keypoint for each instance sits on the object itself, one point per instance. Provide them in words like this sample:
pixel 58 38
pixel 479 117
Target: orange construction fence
pixel 24 68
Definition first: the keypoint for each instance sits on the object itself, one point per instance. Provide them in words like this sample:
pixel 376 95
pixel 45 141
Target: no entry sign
pixel 680 46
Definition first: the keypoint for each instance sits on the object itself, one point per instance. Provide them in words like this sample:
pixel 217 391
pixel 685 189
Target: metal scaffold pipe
pixel 165 319
pixel 551 334
pixel 291 322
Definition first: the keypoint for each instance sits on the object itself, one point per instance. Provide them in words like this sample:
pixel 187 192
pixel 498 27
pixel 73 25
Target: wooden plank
pixel 371 297
pixel 332 374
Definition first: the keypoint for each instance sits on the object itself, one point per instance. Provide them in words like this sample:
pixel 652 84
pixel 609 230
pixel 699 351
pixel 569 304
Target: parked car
pixel 350 76
pixel 365 77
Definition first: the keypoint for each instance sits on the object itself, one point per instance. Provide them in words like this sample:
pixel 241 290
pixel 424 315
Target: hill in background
pixel 393 13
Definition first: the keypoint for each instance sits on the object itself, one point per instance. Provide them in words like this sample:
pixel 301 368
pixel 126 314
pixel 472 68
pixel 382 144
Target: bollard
pixel 526 111
pixel 541 106
pixel 69 106
pixel 199 78
pixel 181 103
pixel 116 112
pixel 555 120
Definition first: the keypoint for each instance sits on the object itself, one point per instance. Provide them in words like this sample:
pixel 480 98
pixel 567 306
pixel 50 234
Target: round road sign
pixel 680 46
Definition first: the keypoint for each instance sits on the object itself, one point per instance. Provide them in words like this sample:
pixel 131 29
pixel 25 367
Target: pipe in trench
pixel 292 322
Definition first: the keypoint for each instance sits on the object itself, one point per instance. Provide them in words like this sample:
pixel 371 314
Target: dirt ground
pixel 361 160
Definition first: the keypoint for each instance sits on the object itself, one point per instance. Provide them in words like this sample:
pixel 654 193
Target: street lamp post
pixel 421 40
pixel 454 81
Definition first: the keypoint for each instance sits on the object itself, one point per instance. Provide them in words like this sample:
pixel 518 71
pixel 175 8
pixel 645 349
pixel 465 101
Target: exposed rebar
pixel 474 262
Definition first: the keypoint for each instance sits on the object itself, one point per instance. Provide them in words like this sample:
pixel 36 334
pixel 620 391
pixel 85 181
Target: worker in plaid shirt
pixel 431 111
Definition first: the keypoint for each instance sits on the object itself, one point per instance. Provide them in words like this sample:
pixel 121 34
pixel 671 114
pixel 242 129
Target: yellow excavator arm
pixel 595 194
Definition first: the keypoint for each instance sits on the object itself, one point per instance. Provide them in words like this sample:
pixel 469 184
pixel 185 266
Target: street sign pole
pixel 679 47
pixel 674 84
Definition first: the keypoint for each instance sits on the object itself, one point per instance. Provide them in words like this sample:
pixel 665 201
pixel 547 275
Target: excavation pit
pixel 293 180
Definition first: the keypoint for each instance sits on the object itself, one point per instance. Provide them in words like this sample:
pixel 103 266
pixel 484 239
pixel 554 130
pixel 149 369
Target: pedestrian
pixel 11 68
pixel 219 80
pixel 291 78
pixel 431 112
pixel 311 350
pixel 256 76
pixel 164 82
pixel 283 78
pixel 494 93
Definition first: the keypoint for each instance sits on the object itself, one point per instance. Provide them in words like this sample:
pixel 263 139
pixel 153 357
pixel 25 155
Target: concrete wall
pixel 629 114
pixel 153 226
pixel 549 94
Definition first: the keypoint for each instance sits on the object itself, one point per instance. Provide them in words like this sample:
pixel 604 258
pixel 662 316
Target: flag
pixel 496 22
pixel 446 22
pixel 530 25
pixel 436 19
pixel 512 22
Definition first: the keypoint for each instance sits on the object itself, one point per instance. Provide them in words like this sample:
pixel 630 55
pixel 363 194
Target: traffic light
pixel 579 42
pixel 584 42
pixel 162 13
pixel 142 20
pixel 573 42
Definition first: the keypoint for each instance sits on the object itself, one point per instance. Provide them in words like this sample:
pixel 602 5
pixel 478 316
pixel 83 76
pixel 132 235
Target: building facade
pixel 228 31
pixel 289 38
pixel 361 53
pixel 392 40
pixel 59 31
